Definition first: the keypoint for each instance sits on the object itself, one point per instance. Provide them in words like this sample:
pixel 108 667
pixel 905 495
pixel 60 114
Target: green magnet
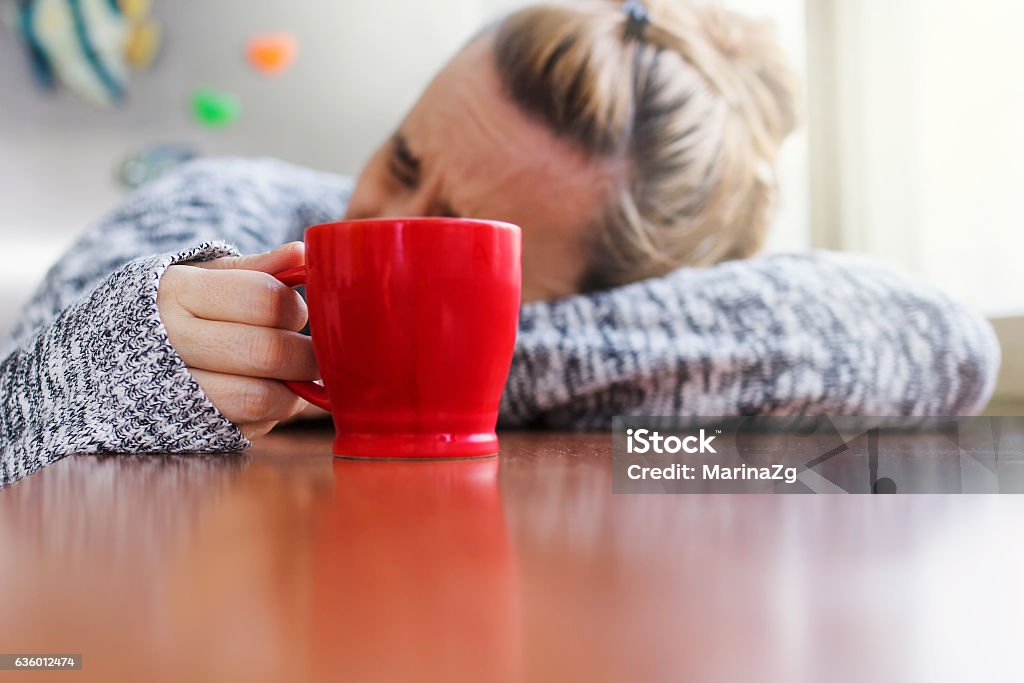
pixel 215 109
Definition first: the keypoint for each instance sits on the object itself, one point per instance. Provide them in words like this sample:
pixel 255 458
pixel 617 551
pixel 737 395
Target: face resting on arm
pixel 622 154
pixel 465 150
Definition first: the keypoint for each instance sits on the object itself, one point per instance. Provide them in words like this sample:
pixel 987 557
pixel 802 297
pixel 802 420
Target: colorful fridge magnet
pixel 143 40
pixel 272 53
pixel 215 109
pixel 142 45
pixel 83 45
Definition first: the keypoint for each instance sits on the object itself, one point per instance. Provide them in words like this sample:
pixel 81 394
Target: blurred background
pixel 912 151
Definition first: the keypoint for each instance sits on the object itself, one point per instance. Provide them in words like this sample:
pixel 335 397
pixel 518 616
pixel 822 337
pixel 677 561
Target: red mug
pixel 413 323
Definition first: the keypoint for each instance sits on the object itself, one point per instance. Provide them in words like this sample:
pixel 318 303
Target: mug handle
pixel 311 391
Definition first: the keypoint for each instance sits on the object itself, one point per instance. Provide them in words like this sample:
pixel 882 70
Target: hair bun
pixel 739 55
pixel 750 48
pixel 687 104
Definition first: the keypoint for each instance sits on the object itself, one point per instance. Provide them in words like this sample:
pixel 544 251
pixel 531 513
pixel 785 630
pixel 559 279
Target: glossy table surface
pixel 284 564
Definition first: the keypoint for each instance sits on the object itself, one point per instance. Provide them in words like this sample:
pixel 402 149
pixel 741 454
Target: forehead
pixel 493 159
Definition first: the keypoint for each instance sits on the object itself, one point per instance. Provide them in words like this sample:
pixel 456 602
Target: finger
pixel 248 400
pixel 308 412
pixel 247 350
pixel 257 429
pixel 286 256
pixel 241 296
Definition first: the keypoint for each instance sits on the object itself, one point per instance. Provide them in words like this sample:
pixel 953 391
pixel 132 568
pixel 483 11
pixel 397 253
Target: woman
pixel 628 141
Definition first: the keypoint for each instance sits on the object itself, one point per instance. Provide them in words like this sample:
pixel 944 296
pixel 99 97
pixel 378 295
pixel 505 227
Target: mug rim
pixel 413 220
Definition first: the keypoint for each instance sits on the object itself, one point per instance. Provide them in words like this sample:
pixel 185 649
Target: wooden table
pixel 284 564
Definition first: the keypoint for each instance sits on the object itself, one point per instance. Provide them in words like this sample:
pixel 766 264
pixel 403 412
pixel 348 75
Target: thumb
pixel 286 256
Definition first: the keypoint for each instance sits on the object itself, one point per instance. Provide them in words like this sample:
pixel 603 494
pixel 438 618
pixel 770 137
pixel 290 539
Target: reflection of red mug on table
pixel 413 575
pixel 413 323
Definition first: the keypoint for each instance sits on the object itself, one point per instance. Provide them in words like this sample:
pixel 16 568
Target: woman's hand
pixel 237 329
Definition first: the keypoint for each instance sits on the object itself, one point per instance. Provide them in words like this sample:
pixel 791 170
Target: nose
pixel 409 204
pixel 374 201
pixel 390 207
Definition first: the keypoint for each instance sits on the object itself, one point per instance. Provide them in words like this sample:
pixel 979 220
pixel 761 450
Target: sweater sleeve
pixel 818 333
pixel 102 377
pixel 89 368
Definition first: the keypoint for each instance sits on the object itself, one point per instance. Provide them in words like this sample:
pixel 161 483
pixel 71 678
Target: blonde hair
pixel 694 111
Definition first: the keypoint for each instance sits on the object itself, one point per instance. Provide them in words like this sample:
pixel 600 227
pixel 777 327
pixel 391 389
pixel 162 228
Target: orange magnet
pixel 272 53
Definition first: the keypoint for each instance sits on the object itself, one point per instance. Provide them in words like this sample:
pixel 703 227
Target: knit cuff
pixel 164 409
pixel 109 380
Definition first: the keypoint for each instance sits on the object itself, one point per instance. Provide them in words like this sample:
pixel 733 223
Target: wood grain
pixel 284 563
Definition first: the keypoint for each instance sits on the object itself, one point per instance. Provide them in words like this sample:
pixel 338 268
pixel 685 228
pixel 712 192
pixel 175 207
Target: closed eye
pixel 405 168
pixel 402 165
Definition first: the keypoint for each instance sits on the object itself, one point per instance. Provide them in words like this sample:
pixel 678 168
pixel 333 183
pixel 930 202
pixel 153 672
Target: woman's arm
pixel 253 204
pixel 102 377
pixel 818 333
pixel 90 368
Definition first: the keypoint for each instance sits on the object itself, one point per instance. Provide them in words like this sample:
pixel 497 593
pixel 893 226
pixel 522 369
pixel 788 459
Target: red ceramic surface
pixel 413 323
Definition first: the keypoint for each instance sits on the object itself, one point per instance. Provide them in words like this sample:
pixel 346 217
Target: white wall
pixel 970 140
pixel 359 67
pixel 930 154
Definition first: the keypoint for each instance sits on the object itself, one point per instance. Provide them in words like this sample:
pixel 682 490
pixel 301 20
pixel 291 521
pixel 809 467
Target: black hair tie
pixel 637 19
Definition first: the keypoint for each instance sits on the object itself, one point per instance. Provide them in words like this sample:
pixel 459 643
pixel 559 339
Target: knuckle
pixel 257 400
pixel 295 311
pixel 291 408
pixel 304 359
pixel 268 352
pixel 272 301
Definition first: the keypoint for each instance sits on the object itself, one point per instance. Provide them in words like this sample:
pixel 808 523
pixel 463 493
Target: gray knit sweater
pixel 90 370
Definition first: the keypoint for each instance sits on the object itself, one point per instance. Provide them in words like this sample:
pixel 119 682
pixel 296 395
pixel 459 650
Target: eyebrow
pixel 407 158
